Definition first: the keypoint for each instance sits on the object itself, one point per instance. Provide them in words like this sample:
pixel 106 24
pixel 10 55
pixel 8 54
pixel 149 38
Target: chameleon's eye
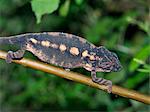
pixel 99 62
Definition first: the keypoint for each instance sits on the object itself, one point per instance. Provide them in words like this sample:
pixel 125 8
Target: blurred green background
pixel 122 26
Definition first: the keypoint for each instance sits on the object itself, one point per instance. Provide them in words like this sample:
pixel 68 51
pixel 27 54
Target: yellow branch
pixel 79 78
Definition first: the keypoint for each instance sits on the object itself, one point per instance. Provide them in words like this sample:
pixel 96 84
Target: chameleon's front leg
pixel 14 55
pixel 101 81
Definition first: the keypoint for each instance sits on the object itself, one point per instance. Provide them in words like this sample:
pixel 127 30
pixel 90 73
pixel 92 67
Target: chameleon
pixel 67 51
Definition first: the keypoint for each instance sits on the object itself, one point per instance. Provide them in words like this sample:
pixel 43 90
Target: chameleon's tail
pixel 4 40
pixel 19 39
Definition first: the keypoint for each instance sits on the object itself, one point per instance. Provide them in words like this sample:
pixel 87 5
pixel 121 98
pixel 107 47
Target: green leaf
pixel 144 70
pixel 41 7
pixel 139 61
pixel 141 55
pixel 64 8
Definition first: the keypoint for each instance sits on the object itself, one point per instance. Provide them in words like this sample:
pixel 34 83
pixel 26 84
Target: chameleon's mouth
pixel 115 63
pixel 111 66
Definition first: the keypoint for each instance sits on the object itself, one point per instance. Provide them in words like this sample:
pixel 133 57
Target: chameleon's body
pixel 65 50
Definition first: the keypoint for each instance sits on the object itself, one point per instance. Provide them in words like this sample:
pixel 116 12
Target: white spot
pixel 33 40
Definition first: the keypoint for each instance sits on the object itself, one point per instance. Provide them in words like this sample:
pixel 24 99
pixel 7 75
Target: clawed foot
pixel 102 81
pixel 14 55
pixel 9 57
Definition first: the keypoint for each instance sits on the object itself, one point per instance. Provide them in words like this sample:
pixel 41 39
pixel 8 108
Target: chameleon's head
pixel 107 61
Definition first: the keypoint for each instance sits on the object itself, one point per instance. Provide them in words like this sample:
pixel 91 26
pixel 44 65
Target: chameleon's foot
pixel 14 55
pixel 9 57
pixel 108 83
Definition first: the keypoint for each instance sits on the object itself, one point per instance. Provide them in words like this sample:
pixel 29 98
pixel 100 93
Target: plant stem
pixel 131 94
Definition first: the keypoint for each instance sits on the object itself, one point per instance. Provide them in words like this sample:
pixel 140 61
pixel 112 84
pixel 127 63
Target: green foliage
pixel 143 25
pixel 122 26
pixel 146 67
pixel 79 2
pixel 143 54
pixel 63 11
pixel 41 7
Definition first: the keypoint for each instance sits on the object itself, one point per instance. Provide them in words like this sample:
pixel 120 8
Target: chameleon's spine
pixel 18 39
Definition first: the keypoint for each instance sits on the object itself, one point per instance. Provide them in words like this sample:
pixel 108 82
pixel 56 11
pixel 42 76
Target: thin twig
pixel 80 78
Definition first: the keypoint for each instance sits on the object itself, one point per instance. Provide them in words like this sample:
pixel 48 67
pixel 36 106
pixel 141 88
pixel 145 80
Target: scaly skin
pixel 65 50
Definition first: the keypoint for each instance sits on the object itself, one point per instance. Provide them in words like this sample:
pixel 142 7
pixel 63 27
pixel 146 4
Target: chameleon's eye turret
pixel 107 61
pixel 116 63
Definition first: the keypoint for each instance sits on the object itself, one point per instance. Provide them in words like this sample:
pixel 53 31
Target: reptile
pixel 67 51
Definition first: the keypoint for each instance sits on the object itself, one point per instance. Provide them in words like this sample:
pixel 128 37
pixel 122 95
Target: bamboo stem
pixel 79 78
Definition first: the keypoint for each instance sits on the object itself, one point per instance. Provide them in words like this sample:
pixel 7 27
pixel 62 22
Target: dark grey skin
pixel 104 60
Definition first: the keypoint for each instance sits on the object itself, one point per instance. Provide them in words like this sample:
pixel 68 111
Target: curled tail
pixel 18 39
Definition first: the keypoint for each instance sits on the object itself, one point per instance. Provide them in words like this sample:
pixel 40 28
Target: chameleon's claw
pixel 14 55
pixel 109 85
pixel 9 57
pixel 102 81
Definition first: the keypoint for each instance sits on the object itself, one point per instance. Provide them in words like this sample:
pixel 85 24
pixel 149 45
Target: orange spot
pixel 92 57
pixel 85 53
pixel 45 43
pixel 62 47
pixel 74 51
pixel 33 40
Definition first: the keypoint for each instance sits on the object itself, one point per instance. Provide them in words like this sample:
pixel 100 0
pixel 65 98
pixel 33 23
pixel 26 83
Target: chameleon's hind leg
pixel 14 55
pixel 101 81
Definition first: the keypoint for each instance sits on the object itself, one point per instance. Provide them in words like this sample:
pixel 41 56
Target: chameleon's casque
pixel 65 50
